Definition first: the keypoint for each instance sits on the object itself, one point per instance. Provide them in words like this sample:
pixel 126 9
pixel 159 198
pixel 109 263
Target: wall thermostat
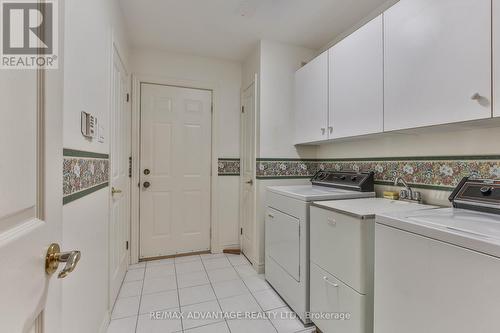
pixel 89 123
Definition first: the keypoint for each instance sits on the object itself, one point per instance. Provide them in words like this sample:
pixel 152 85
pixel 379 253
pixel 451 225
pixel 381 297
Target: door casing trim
pixel 137 80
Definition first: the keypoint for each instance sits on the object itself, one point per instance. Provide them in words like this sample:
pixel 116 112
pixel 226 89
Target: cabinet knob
pixel 325 278
pixel 476 97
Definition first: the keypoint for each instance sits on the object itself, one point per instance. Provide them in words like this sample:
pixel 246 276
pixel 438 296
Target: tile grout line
pixel 252 294
pixel 178 294
pixel 140 298
pixel 213 289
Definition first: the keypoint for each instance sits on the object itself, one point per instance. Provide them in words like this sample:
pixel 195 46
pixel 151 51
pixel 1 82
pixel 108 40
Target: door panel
pixel 437 57
pixel 357 83
pixel 120 181
pixel 247 178
pixel 311 100
pixel 176 149
pixel 30 198
pixel 284 241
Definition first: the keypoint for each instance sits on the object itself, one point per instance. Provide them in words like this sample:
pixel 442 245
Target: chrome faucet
pixel 407 194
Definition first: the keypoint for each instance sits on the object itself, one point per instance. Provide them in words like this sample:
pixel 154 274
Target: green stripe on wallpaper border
pixel 83 193
pixel 84 154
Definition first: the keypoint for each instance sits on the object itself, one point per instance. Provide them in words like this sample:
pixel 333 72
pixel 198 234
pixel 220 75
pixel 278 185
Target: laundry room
pixel 240 166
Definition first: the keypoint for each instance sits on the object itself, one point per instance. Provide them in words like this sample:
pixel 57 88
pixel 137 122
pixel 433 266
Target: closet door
pixel 356 87
pixel 311 101
pixel 437 62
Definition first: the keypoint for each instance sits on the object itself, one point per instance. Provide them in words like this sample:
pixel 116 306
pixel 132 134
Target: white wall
pixel 278 64
pixel 89 27
pixel 226 76
pixel 275 65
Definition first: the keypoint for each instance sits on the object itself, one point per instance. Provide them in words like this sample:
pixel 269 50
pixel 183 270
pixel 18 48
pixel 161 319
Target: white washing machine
pixel 287 230
pixel 439 270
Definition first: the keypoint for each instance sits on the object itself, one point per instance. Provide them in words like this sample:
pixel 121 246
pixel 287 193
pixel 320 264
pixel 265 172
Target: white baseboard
pixel 260 268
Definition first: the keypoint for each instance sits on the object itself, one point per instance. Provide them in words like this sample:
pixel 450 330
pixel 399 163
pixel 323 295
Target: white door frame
pixel 250 256
pixel 115 48
pixel 137 80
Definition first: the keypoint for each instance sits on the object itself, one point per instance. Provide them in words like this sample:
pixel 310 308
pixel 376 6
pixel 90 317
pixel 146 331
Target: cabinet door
pixel 454 289
pixel 496 58
pixel 311 100
pixel 437 62
pixel 357 83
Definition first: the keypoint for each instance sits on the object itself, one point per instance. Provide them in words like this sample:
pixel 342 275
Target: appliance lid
pixel 313 193
pixel 367 208
pixel 471 229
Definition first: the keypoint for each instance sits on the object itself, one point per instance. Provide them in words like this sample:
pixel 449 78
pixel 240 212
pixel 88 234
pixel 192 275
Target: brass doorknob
pixel 55 256
pixel 115 191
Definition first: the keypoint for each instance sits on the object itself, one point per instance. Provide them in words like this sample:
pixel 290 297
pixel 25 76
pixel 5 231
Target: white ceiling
pixel 229 29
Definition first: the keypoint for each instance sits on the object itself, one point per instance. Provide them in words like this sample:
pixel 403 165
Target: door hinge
pixel 242 109
pixel 128 97
pixel 130 167
pixel 241 231
pixel 126 245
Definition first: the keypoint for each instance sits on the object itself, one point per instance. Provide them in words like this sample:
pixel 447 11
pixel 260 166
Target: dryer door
pixel 284 241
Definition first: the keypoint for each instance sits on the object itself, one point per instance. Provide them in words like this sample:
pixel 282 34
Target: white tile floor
pixel 206 283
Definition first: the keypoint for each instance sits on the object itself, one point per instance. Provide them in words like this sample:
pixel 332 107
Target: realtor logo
pixel 29 34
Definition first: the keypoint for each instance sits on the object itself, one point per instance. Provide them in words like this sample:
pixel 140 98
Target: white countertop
pixel 369 207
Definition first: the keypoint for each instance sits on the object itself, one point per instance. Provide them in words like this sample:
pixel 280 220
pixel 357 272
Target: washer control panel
pixel 351 180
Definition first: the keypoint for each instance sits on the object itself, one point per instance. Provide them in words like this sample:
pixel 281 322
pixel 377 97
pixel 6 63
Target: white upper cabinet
pixel 496 57
pixel 437 62
pixel 356 87
pixel 311 101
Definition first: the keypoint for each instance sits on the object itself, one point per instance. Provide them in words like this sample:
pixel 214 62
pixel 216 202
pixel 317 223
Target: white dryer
pixel 287 230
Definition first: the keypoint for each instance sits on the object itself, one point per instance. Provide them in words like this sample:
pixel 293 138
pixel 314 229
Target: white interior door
pixel 247 178
pixel 175 170
pixel 30 199
pixel 120 181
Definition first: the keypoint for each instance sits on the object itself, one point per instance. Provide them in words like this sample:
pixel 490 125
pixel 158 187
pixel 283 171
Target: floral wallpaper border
pixel 83 174
pixel 442 173
pixel 229 166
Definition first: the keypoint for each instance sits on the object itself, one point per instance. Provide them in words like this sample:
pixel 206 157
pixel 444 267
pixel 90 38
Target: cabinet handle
pixel 330 128
pixel 330 282
pixel 323 130
pixel 476 97
pixel 270 216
